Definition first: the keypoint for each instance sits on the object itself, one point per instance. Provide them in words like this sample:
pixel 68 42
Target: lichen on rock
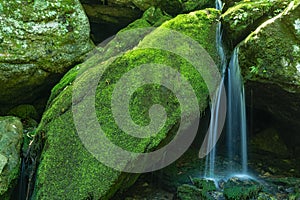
pixel 40 40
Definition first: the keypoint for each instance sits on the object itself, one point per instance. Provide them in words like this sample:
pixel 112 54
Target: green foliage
pixel 253 69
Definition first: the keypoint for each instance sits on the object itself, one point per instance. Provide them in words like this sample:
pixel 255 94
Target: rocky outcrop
pixel 10 150
pixel 40 41
pixel 245 16
pixel 67 169
pixel 270 63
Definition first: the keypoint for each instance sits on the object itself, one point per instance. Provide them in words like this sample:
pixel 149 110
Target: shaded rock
pixel 109 17
pixel 269 140
pixel 25 111
pixel 111 14
pixel 40 41
pixel 10 147
pixel 245 16
pixel 269 60
pixel 67 170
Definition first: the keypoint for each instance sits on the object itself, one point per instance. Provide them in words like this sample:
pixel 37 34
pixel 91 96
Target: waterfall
pixel 217 109
pixel 236 116
pixel 236 113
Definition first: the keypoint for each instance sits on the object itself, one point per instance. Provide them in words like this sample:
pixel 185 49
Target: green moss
pixel 235 189
pixel 199 25
pixel 274 51
pixel 67 170
pixel 188 192
pixel 245 16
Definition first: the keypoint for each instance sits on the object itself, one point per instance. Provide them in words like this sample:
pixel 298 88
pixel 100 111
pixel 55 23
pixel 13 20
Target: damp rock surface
pixel 10 150
pixel 40 41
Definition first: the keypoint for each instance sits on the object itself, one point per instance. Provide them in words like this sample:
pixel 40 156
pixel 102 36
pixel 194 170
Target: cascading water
pixel 216 107
pixel 236 114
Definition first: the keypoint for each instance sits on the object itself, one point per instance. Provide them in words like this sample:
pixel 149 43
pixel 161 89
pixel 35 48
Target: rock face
pixel 10 150
pixel 270 63
pixel 40 41
pixel 67 170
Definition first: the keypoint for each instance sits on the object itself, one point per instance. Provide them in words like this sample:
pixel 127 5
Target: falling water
pixel 236 116
pixel 217 107
pixel 236 113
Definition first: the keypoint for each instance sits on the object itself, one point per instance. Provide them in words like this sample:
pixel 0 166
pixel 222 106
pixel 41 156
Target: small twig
pixel 191 179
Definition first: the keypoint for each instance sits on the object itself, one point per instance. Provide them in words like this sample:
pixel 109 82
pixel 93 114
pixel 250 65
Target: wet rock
pixel 40 41
pixel 269 60
pixel 10 147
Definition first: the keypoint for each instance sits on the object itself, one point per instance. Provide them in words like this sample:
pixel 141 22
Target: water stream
pixel 235 117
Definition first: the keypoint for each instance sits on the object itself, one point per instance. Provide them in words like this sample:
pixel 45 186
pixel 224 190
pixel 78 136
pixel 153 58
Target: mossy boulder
pixel 270 64
pixel 67 170
pixel 10 151
pixel 40 41
pixel 245 16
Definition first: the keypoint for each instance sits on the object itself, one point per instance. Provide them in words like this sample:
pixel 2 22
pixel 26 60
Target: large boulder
pixel 270 63
pixel 67 170
pixel 40 41
pixel 10 151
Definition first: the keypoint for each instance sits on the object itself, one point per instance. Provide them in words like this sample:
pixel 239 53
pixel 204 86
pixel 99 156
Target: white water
pixel 236 116
pixel 217 108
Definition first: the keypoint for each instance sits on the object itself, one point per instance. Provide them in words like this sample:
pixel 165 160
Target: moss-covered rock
pixel 40 40
pixel 10 150
pixel 67 170
pixel 245 16
pixel 241 189
pixel 270 64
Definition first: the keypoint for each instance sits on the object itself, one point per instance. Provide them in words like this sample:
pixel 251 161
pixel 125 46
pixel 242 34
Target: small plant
pixel 253 69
